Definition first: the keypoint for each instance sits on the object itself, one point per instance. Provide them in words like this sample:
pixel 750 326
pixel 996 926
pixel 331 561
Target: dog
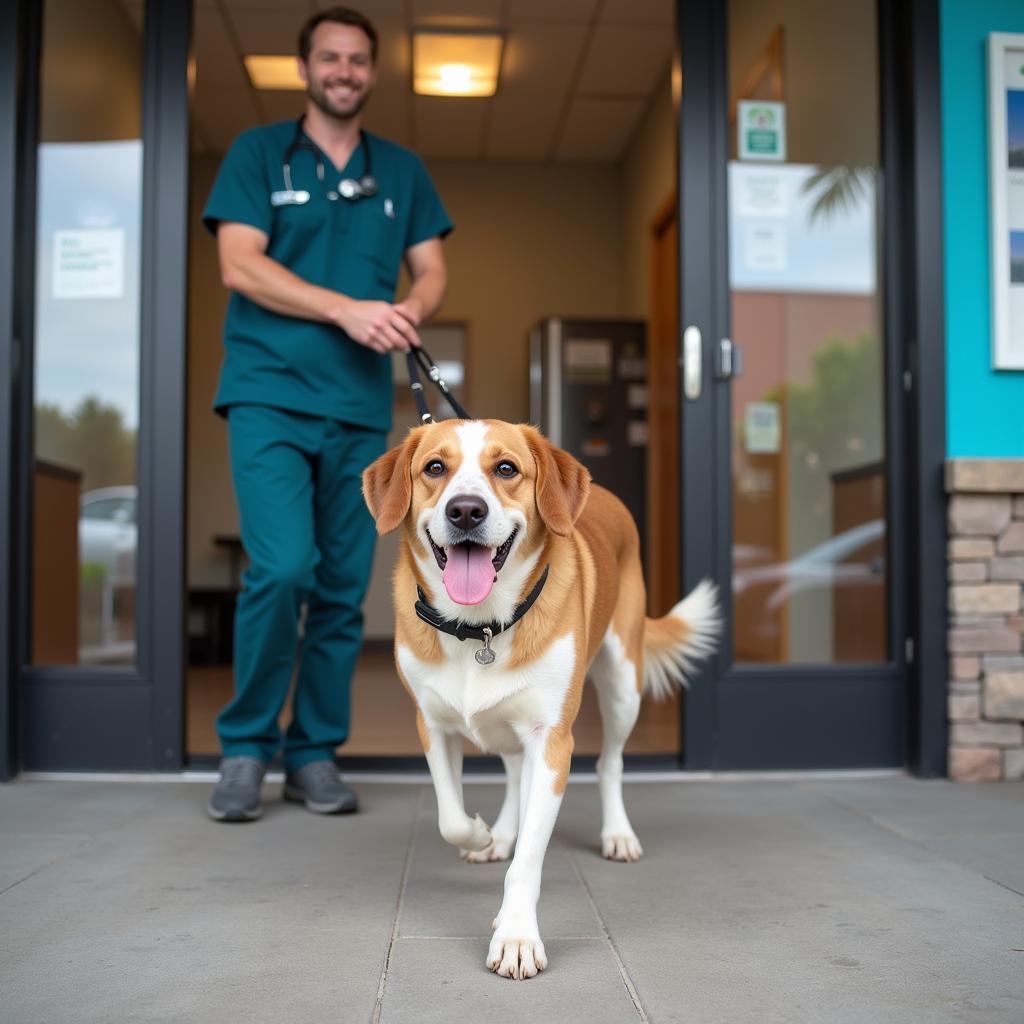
pixel 516 578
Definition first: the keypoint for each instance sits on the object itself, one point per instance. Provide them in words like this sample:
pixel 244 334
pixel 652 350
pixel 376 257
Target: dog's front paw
pixel 467 833
pixel 497 849
pixel 624 846
pixel 480 837
pixel 516 956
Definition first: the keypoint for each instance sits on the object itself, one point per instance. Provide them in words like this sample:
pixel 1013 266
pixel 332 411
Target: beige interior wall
pixel 211 500
pixel 531 240
pixel 831 74
pixel 91 73
pixel 648 180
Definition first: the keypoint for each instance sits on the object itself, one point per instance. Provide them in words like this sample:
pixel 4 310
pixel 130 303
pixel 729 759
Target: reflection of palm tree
pixel 839 189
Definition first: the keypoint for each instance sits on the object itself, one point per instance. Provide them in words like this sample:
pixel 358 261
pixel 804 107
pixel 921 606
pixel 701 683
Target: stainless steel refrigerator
pixel 588 393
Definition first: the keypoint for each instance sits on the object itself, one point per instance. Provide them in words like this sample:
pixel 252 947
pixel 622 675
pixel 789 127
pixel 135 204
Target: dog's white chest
pixel 490 704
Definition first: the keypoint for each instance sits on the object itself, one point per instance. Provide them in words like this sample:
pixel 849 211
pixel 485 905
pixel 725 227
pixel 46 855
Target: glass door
pixel 101 317
pixel 790 418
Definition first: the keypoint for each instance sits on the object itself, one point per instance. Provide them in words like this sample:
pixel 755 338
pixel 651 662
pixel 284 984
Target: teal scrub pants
pixel 310 539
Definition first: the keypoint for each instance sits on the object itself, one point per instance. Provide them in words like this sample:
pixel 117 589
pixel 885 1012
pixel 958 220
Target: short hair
pixel 341 16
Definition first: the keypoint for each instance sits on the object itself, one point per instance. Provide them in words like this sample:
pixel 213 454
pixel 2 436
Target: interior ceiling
pixel 576 75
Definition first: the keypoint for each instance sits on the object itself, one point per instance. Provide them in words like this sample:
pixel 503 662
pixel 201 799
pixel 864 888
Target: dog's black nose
pixel 465 511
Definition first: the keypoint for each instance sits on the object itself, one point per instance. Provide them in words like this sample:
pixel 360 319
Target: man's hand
pixel 378 325
pixel 412 309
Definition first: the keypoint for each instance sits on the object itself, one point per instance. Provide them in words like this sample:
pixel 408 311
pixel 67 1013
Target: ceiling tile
pixel 638 12
pixel 387 114
pixel 133 8
pixel 457 13
pixel 394 55
pixel 625 61
pixel 520 129
pixel 282 104
pixel 222 116
pixel 524 11
pixel 540 59
pixel 598 129
pixel 543 46
pixel 217 60
pixel 449 127
pixel 266 32
pixel 298 9
pixel 376 10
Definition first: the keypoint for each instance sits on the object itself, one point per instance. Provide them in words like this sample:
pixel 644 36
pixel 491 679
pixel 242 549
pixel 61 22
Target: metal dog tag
pixel 485 656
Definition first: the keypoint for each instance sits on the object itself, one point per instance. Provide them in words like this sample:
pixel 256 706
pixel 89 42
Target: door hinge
pixel 908 650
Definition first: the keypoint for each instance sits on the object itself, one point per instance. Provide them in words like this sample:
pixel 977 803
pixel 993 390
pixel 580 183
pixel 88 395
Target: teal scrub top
pixel 351 246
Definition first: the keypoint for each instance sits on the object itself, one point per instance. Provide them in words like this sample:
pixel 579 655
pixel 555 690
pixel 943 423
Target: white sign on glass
pixel 785 237
pixel 762 428
pixel 88 264
pixel 1006 176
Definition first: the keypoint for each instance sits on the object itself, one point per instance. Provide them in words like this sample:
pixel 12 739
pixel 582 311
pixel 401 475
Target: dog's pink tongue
pixel 468 573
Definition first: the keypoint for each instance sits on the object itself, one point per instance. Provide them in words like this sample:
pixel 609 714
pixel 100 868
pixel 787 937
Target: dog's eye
pixel 435 467
pixel 506 469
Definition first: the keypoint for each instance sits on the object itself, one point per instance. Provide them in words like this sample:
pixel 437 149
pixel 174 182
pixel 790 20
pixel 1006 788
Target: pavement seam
pixel 921 842
pixel 634 995
pixel 378 1007
pixel 86 841
pixel 31 874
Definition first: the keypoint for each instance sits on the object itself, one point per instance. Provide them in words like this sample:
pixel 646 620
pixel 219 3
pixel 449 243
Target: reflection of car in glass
pixel 845 573
pixel 107 532
pixel 852 558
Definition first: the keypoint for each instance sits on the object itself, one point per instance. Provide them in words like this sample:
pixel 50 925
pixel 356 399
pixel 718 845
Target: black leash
pixel 463 631
pixel 422 357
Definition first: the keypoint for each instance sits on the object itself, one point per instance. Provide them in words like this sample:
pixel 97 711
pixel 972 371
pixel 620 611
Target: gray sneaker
pixel 318 785
pixel 237 796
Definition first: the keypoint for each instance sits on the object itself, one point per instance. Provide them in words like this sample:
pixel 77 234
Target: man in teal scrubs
pixel 313 220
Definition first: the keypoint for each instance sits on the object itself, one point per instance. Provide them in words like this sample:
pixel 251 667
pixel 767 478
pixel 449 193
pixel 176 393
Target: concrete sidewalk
pixel 819 900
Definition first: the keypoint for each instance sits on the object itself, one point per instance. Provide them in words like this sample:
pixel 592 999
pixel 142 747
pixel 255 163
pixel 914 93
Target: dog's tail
pixel 673 642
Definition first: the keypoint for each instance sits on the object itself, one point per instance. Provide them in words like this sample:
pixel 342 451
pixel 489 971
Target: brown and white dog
pixel 485 507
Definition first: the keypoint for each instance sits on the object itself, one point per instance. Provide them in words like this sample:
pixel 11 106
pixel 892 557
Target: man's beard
pixel 319 97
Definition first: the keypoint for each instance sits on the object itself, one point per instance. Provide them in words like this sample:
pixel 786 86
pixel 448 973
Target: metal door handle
pixel 691 363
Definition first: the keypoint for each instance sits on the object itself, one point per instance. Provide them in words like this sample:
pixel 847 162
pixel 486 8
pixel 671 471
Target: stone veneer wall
pixel 985 564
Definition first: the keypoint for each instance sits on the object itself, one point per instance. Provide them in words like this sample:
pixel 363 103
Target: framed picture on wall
pixel 1006 177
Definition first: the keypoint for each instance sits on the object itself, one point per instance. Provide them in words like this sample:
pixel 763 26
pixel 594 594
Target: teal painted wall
pixel 984 407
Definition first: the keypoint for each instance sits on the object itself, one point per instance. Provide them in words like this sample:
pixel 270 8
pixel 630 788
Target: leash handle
pixel 421 357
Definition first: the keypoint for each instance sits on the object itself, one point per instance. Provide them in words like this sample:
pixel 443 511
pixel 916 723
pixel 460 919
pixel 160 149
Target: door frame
pixel 13 18
pixel 104 718
pixel 796 717
pixel 151 699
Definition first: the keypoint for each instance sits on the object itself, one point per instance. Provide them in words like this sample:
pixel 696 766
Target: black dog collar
pixel 464 631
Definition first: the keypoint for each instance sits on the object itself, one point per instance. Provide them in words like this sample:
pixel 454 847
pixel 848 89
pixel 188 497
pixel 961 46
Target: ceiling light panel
pixel 269 71
pixel 456 63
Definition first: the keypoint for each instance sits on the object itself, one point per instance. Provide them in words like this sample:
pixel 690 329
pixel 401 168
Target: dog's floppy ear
pixel 563 484
pixel 387 483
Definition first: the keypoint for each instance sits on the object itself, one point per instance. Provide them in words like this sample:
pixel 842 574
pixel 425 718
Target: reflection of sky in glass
pixel 1015 117
pixel 88 346
pixel 774 246
pixel 1017 245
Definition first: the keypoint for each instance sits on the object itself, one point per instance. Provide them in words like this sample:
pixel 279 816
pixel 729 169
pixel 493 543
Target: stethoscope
pixel 348 188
